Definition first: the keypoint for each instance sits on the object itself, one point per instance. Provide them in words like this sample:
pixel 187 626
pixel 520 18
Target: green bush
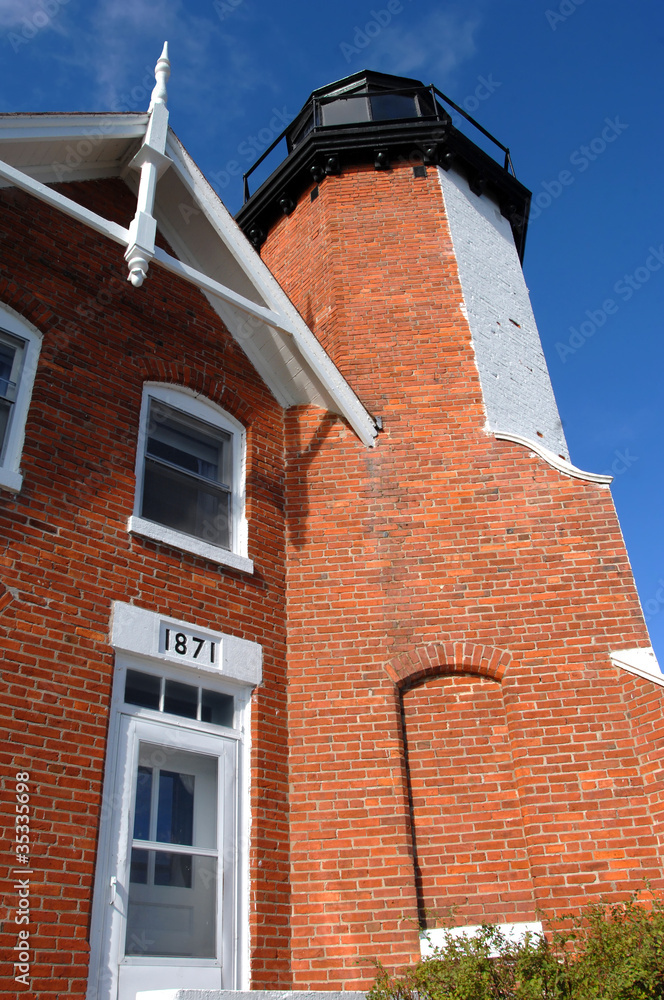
pixel 610 952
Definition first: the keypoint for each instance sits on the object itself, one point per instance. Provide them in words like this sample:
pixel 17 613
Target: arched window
pixel 190 474
pixel 19 351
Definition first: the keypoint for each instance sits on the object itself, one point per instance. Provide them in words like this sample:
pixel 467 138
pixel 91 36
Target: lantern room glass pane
pixel 386 106
pixel 346 110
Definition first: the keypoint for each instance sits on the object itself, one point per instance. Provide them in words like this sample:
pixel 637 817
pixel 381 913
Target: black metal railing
pixel 317 121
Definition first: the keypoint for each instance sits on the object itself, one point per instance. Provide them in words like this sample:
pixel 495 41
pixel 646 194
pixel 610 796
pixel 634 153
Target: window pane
pixel 189 444
pixel 142 805
pixel 5 408
pixel 181 699
pixel 142 689
pixel 7 355
pixel 217 708
pixel 176 501
pixel 175 810
pixel 174 918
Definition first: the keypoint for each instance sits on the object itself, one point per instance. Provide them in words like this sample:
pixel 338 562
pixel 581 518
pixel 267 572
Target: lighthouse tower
pixel 473 701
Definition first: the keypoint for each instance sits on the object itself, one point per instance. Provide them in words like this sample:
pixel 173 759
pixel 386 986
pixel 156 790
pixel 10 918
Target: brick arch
pixel 439 658
pixel 27 306
pixel 208 384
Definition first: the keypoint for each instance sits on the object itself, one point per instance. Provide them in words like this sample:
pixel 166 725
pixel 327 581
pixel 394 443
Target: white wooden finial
pixel 151 160
pixel 162 71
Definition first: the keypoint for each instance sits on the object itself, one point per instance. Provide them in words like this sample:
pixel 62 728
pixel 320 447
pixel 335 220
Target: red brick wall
pixel 65 555
pixel 409 558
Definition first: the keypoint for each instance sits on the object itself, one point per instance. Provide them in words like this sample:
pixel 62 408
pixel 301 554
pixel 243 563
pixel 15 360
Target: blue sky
pixel 574 87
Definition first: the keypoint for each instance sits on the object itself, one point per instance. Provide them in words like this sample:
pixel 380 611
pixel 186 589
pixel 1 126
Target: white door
pixel 172 885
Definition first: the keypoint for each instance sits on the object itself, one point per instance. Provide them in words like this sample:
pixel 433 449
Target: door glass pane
pixel 172 869
pixel 184 785
pixel 139 866
pixel 174 916
pixel 175 811
pixel 172 896
pixel 142 807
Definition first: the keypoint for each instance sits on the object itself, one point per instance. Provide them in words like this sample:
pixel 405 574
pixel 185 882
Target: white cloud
pixel 29 16
pixel 433 47
pixel 126 30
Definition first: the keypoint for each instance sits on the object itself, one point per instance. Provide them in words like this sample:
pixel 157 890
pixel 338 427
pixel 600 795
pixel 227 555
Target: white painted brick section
pixel 517 391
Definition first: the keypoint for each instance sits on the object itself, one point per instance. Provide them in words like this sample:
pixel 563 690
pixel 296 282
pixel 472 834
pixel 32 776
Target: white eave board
pixel 293 364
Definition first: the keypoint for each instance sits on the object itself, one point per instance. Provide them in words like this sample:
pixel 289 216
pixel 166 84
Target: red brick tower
pixel 472 720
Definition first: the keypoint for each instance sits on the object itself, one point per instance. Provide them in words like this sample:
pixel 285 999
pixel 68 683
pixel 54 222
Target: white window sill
pixel 178 540
pixel 10 480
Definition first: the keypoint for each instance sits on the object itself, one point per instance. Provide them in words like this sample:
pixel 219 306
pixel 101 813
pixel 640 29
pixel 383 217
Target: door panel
pixel 175 863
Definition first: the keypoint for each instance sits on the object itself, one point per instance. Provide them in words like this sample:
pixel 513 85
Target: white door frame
pixel 128 724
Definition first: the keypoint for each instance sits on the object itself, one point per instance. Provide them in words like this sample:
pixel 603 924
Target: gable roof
pixel 38 150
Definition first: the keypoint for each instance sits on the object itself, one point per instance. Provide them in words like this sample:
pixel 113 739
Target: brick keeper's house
pixel 312 631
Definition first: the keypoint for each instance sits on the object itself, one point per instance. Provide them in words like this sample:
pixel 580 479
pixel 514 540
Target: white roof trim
pixel 308 347
pixel 66 205
pixel 640 661
pixel 120 235
pixel 555 461
pixel 304 373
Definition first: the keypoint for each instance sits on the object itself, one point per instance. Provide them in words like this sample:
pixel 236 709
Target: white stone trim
pixel 11 477
pixel 640 661
pixel 439 936
pixel 11 481
pixel 178 540
pixel 137 631
pixel 555 461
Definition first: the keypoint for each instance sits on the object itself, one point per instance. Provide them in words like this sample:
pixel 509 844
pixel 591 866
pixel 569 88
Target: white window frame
pixel 11 477
pixel 138 638
pixel 191 404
